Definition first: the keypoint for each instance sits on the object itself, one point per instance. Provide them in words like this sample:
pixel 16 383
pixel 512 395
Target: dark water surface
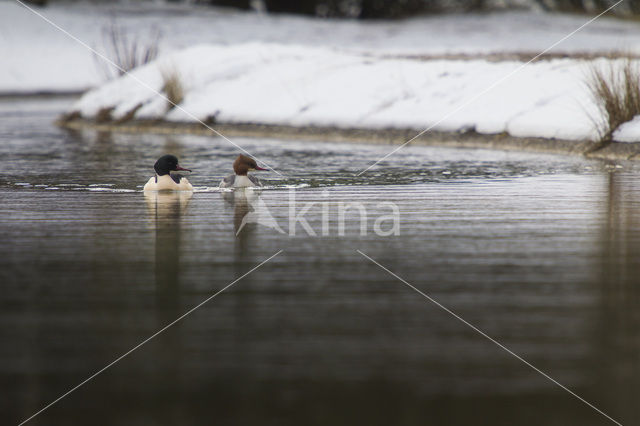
pixel 540 252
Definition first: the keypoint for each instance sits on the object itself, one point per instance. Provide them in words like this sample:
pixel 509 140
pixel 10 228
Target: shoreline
pixel 387 136
pixel 41 94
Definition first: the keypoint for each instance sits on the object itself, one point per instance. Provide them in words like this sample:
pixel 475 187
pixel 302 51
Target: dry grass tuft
pixel 172 87
pixel 104 115
pixel 616 92
pixel 130 115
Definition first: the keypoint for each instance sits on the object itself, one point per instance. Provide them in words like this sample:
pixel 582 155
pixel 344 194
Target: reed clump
pixel 172 87
pixel 615 89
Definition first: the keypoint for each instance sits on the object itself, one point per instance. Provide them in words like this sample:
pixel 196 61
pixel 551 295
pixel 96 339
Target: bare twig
pixel 126 51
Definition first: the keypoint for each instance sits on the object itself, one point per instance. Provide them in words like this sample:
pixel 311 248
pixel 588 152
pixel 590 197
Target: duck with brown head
pixel 241 178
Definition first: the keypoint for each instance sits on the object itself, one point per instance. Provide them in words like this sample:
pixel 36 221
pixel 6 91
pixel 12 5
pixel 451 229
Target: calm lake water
pixel 540 252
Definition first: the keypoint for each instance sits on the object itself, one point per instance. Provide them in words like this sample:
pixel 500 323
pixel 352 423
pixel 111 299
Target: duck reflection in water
pixel 249 210
pixel 165 212
pixel 166 209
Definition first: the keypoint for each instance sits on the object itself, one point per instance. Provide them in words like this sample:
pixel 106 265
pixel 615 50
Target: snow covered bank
pixel 303 86
pixel 38 57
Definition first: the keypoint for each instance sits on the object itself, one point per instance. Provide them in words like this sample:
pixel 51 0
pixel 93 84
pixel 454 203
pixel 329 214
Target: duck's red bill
pixel 260 168
pixel 181 169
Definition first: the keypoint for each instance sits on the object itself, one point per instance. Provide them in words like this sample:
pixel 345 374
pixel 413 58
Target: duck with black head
pixel 164 180
pixel 241 178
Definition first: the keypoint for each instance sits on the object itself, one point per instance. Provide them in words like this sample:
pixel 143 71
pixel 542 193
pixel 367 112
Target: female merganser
pixel 240 178
pixel 163 179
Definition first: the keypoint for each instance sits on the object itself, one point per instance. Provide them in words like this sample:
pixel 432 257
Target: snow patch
pixel 301 86
pixel 629 131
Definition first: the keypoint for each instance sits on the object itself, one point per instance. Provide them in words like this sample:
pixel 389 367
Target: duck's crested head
pixel 244 164
pixel 167 164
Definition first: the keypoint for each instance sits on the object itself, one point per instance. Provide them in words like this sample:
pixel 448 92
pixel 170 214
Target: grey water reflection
pixel 249 212
pixel 541 252
pixel 617 336
pixel 165 211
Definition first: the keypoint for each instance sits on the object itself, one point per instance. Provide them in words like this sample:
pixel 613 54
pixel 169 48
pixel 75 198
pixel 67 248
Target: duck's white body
pixel 165 182
pixel 240 181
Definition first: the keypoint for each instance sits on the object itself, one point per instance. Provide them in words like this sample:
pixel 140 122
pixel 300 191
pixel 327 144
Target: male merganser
pixel 240 178
pixel 163 179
